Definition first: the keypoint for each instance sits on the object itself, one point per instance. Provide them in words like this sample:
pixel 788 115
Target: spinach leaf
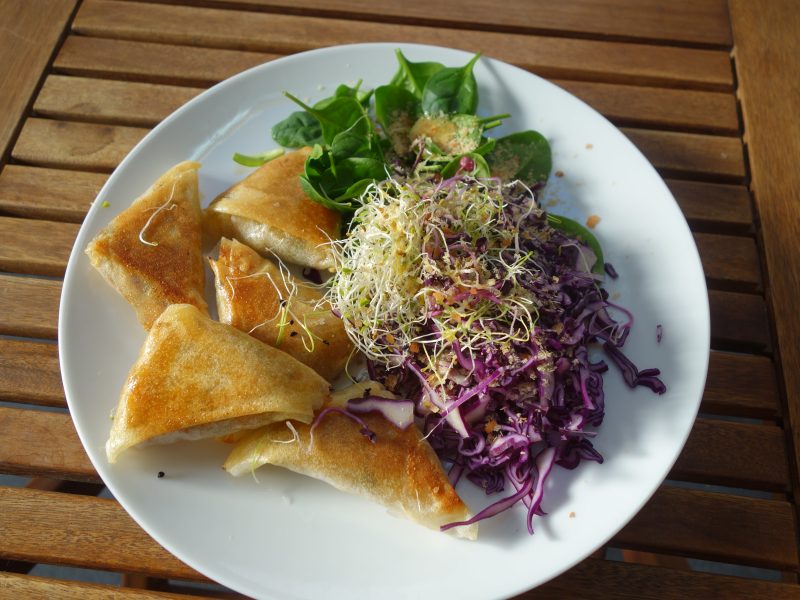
pixel 576 230
pixel 297 130
pixel 336 115
pixel 524 155
pixel 452 90
pixel 413 76
pixel 337 176
pixel 396 110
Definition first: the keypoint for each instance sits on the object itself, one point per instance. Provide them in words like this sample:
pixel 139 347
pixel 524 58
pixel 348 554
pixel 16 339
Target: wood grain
pixel 739 321
pixel 741 385
pixel 767 58
pixel 112 102
pixel 642 106
pixel 738 455
pixel 26 46
pixel 29 372
pixel 714 206
pixel 602 579
pixel 35 247
pixel 150 62
pixel 703 22
pixel 690 153
pixel 27 446
pixel 83 531
pixel 51 194
pixel 97 533
pixel 729 262
pixel 712 455
pixel 90 146
pixel 65 144
pixel 42 588
pixel 29 306
pixel 283 34
pixel 715 526
pixel 135 103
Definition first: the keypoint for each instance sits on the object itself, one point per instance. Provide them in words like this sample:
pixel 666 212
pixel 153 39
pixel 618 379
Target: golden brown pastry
pixel 269 211
pixel 399 470
pixel 151 252
pixel 197 378
pixel 250 292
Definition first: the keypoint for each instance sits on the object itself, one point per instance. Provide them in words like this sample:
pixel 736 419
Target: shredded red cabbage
pixel 511 411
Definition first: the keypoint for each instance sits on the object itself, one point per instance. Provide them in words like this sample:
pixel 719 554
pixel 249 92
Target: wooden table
pixel 707 89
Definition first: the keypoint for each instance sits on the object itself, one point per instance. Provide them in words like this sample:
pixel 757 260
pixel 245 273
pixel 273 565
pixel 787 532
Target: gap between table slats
pixel 286 34
pixel 97 533
pixel 712 455
pixel 691 22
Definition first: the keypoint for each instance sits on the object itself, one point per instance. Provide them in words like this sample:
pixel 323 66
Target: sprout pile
pixel 467 300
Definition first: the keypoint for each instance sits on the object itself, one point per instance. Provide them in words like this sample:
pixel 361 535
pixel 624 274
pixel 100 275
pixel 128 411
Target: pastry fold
pixel 258 297
pixel 270 212
pixel 151 253
pixel 197 378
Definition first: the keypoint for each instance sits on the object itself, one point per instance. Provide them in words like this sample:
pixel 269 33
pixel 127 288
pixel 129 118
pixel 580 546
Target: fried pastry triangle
pixel 253 295
pixel 399 470
pixel 269 211
pixel 151 253
pixel 197 378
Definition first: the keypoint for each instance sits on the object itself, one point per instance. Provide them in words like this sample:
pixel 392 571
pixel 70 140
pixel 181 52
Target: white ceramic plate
pixel 292 537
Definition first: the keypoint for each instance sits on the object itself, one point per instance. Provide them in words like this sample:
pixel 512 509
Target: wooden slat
pixel 51 194
pixel 149 62
pixel 27 446
pixel 82 531
pixel 690 153
pixel 26 45
pixel 729 262
pixel 551 57
pixel 130 103
pixel 29 372
pixel 602 579
pixel 29 306
pixel 22 586
pixel 96 533
pixel 49 143
pixel 741 385
pixel 35 247
pixel 767 61
pixel 664 108
pixel 712 455
pixel 715 526
pixel 66 144
pixel 714 206
pixel 691 22
pixel 739 320
pixel 734 454
pixel 112 102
